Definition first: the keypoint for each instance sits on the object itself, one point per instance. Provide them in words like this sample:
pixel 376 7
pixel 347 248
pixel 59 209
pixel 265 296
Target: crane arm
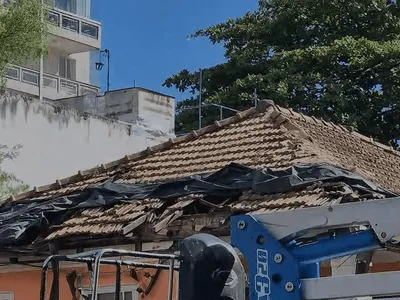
pixel 283 249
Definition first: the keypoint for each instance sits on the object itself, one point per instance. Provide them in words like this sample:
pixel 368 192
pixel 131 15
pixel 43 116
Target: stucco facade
pixel 131 105
pixel 57 142
pixel 23 282
pixel 26 285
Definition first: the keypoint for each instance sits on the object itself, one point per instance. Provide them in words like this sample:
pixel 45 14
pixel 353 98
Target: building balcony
pixel 72 33
pixel 54 87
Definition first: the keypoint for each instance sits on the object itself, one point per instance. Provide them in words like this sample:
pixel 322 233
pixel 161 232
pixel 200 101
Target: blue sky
pixel 148 38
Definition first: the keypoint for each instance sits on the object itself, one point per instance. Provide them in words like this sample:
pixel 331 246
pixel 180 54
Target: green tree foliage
pixel 22 32
pixel 334 59
pixel 22 37
pixel 9 184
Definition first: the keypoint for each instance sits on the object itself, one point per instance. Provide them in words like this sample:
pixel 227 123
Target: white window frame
pixel 7 295
pixel 111 289
pixel 67 62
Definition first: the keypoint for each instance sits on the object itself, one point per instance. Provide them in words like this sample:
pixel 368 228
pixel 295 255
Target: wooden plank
pixel 190 223
pixel 177 206
pixel 164 223
pixel 133 225
pixel 212 205
pixel 157 246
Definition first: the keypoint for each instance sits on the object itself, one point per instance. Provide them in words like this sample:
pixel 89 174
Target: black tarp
pixel 22 222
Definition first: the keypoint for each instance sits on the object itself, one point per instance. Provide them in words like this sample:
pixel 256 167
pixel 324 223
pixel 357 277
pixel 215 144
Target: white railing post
pixel 41 64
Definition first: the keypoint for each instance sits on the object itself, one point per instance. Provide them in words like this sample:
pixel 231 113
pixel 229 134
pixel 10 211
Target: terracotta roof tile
pixel 159 215
pixel 267 136
pixel 106 221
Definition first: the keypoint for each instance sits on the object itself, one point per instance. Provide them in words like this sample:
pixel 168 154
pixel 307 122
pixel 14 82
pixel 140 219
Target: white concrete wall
pixel 120 105
pixel 131 105
pixel 58 142
pixel 82 66
pixel 157 109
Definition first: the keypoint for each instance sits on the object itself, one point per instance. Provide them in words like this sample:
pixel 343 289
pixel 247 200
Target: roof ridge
pixel 262 105
pixel 351 130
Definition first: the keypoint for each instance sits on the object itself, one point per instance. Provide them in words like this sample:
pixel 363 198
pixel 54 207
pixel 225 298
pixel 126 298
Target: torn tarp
pixel 23 222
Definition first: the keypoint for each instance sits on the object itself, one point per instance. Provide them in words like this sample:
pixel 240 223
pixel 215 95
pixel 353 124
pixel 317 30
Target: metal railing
pixel 70 21
pixel 95 259
pixel 220 107
pixel 52 82
pixel 73 23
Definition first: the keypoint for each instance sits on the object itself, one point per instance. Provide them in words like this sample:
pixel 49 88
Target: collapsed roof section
pixel 204 204
pixel 128 213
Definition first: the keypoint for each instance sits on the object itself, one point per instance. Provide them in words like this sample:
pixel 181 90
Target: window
pixel 6 295
pixel 57 65
pixel 90 30
pixel 70 24
pixel 67 68
pixel 30 77
pixel 78 7
pixel 32 64
pixel 50 63
pixel 12 72
pixel 107 293
pixel 67 5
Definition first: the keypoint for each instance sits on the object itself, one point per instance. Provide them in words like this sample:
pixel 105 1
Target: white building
pixel 55 141
pixel 74 42
pixel 83 128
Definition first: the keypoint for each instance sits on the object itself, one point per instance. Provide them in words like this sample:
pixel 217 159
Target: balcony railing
pixel 58 84
pixel 73 23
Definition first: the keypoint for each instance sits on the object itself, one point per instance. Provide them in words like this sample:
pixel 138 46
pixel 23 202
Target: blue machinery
pixel 283 251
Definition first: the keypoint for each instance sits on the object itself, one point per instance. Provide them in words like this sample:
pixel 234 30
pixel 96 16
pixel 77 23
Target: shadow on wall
pixel 10 103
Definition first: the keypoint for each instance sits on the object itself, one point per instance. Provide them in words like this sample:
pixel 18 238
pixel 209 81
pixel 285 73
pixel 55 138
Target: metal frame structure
pixel 284 249
pixel 99 257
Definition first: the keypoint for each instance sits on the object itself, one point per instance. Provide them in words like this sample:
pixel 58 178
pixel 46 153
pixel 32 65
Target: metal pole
pixel 220 113
pixel 200 92
pixel 96 272
pixel 118 282
pixel 171 279
pixel 108 69
pixel 41 60
pixel 43 283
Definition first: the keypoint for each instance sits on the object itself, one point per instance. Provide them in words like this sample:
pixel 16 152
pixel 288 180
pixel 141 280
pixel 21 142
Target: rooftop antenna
pixel 200 94
pixel 134 83
pixel 255 97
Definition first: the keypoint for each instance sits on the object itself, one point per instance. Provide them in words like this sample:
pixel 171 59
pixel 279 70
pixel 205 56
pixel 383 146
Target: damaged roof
pixel 267 136
pixel 183 216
